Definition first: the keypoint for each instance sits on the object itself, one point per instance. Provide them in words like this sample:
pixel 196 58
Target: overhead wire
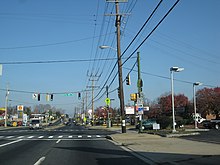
pixel 155 9
pixel 152 31
pixel 57 61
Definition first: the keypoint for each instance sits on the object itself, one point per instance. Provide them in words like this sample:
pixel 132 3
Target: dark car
pixel 147 124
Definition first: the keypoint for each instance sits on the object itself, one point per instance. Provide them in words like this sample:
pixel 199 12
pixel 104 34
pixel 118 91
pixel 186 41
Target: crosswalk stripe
pixel 9 137
pixel 51 137
pixel 20 137
pixel 30 137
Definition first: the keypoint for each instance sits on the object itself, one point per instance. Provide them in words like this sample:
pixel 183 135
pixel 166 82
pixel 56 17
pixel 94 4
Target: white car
pixel 35 124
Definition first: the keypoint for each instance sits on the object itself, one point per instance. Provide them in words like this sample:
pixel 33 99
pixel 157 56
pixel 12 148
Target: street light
pixel 173 69
pixel 121 91
pixel 194 101
pixel 106 47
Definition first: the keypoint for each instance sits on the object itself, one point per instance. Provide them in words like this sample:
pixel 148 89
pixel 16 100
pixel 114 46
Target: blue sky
pixel 70 33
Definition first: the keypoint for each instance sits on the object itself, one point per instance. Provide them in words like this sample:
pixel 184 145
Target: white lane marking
pixel 58 141
pixel 79 136
pixel 2 145
pixel 89 136
pixel 50 137
pixel 9 137
pixel 70 136
pixel 30 137
pixel 40 161
pixel 20 137
pixel 60 136
pixel 40 137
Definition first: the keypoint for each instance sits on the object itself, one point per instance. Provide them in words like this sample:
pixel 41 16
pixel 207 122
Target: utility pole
pixel 139 86
pixel 93 78
pixel 121 91
pixel 120 79
pixel 6 105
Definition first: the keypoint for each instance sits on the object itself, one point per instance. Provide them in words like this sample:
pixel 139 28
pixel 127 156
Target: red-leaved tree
pixel 165 102
pixel 208 101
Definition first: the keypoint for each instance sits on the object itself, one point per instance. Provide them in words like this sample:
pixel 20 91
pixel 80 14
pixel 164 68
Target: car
pixel 147 124
pixel 35 123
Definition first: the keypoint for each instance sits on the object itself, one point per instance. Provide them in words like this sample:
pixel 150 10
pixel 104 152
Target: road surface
pixel 63 146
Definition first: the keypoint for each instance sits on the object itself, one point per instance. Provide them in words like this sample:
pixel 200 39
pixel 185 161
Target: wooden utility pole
pixel 93 78
pixel 6 105
pixel 120 79
pixel 121 91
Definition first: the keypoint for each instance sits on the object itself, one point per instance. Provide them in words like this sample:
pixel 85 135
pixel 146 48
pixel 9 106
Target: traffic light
pixel 79 95
pixel 134 96
pixel 51 97
pixel 47 97
pixel 118 93
pixel 38 96
pixel 128 81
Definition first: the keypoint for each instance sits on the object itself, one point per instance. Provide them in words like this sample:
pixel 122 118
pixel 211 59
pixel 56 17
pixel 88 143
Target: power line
pixel 57 61
pixel 50 44
pixel 168 78
pixel 152 31
pixel 130 45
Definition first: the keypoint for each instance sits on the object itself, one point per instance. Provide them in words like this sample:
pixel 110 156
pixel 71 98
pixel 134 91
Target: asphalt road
pixel 66 145
pixel 212 136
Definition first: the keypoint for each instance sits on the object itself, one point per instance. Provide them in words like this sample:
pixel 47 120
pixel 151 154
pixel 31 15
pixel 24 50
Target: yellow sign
pixel 133 96
pixel 20 107
pixel 2 109
pixel 107 101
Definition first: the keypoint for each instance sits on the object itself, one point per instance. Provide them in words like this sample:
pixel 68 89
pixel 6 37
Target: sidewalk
pixel 155 149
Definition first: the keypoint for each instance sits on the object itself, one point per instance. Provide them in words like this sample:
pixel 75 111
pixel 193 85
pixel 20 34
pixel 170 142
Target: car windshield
pixel 35 121
pixel 149 121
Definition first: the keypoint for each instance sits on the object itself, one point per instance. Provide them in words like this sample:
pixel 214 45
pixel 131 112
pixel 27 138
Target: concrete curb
pixel 180 135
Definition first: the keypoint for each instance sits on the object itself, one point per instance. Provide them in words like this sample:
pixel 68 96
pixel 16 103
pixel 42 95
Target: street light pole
pixel 194 101
pixel 173 69
pixel 172 98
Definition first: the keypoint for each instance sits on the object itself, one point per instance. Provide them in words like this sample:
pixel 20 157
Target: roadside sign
pixel 20 108
pixel 68 94
pixel 129 110
pixel 107 101
pixel 140 109
pixel 2 109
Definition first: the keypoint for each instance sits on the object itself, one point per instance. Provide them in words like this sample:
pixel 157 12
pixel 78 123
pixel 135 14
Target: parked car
pixel 147 124
pixel 214 123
